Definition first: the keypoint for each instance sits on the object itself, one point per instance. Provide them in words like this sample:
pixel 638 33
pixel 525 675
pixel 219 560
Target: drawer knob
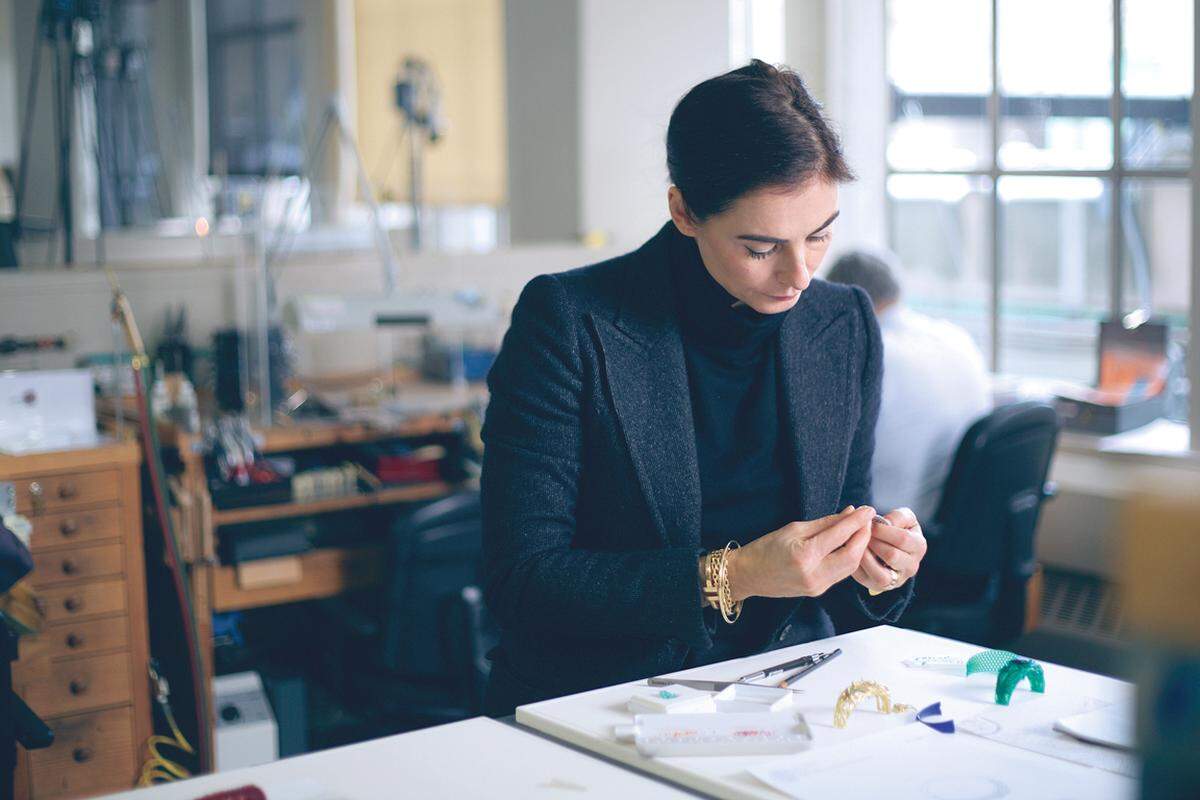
pixel 74 641
pixel 69 527
pixel 72 604
pixel 67 490
pixel 69 567
pixel 82 754
pixel 78 686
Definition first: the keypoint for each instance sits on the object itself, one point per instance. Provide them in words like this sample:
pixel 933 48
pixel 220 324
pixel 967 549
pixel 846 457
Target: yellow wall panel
pixel 463 40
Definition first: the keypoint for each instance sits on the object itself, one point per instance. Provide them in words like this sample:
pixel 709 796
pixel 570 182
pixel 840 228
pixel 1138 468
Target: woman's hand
pixel 801 559
pixel 900 544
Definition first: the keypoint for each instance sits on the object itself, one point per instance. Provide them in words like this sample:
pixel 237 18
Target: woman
pixel 650 413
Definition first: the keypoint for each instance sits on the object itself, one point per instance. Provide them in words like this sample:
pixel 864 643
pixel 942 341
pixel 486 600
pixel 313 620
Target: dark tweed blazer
pixel 591 489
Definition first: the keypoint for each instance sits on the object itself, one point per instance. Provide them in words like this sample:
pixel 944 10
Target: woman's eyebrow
pixel 827 222
pixel 755 237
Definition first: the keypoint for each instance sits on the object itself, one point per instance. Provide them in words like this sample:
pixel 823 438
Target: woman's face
pixel 765 248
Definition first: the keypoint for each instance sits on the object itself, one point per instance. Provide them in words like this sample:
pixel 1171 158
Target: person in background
pixel 934 386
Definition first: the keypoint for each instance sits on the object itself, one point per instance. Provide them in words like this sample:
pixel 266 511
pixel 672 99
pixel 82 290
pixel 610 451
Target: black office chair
pixel 981 540
pixel 423 639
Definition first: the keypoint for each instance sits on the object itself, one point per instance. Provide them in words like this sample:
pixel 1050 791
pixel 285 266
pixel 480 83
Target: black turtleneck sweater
pixel 745 484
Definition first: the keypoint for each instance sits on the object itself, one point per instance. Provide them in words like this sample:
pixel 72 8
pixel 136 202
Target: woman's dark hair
pixel 750 128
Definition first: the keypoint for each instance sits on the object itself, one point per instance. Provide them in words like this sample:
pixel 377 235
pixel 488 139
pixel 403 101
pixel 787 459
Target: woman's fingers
pixel 878 575
pixel 899 538
pixel 902 518
pixel 842 562
pixel 841 530
pixel 897 559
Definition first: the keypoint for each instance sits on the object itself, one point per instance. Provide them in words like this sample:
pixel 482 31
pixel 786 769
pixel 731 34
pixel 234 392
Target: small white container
pixel 748 698
pixel 733 734
pixel 674 699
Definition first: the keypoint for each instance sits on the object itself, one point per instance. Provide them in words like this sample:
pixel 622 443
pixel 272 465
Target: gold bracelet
pixel 730 610
pixel 712 587
pixel 716 589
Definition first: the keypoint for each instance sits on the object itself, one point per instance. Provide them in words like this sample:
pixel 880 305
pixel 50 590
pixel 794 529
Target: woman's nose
pixel 797 275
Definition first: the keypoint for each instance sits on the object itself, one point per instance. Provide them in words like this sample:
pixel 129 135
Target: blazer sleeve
pixel 848 603
pixel 534 579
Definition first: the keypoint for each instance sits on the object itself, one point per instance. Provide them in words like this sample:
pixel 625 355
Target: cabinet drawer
pixel 38 496
pixel 91 754
pixel 97 561
pixel 69 639
pixel 75 527
pixel 63 603
pixel 54 688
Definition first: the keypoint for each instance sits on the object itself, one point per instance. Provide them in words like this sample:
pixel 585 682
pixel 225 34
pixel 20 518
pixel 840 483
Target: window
pixel 256 99
pixel 1036 188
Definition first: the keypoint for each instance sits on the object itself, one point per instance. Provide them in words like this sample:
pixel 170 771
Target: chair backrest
pixel 989 510
pixel 435 554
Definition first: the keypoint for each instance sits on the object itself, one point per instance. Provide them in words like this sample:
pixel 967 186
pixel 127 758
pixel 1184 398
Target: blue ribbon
pixel 935 710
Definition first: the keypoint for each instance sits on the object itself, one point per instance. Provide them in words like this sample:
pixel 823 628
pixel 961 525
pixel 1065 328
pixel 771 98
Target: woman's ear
pixel 680 213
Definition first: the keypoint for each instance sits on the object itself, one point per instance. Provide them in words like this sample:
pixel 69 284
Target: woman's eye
pixel 821 239
pixel 761 253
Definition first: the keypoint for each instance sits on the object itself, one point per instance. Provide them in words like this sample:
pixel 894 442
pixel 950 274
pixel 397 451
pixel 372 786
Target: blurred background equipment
pixel 418 97
pixel 1131 380
pixel 246 733
pixel 105 139
pixel 46 410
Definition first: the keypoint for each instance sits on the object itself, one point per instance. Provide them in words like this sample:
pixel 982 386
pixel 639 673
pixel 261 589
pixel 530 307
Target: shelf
pixel 325 572
pixel 383 497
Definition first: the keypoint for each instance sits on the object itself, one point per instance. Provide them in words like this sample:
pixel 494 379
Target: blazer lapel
pixel 813 368
pixel 647 378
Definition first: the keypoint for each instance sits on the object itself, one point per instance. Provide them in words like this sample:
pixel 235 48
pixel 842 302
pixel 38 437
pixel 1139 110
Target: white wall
pixel 544 173
pixel 857 100
pixel 804 43
pixel 638 59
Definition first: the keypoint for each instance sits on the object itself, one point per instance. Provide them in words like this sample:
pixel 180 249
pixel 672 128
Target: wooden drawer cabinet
pixel 80 563
pixel 55 531
pixel 73 601
pixel 57 492
pixel 76 638
pixel 85 671
pixel 92 754
pixel 53 688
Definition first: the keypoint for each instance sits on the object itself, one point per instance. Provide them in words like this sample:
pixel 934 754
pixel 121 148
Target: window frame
pixel 1117 175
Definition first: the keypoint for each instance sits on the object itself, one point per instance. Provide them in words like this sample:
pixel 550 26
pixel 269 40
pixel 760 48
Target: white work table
pixel 915 760
pixel 475 758
pixel 481 757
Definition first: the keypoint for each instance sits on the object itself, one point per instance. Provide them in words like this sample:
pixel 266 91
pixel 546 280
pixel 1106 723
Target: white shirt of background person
pixel 934 386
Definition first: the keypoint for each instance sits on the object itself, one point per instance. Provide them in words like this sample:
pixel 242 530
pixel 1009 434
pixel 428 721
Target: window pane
pixel 1156 79
pixel 939 67
pixel 1054 109
pixel 940 231
pixel 1053 274
pixel 1156 215
pixel 1156 261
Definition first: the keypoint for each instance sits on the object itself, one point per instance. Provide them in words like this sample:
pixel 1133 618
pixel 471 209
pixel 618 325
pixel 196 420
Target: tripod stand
pixel 99 55
pixel 56 24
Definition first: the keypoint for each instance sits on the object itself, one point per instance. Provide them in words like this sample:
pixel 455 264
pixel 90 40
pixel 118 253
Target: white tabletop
pixel 474 758
pixel 921 756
